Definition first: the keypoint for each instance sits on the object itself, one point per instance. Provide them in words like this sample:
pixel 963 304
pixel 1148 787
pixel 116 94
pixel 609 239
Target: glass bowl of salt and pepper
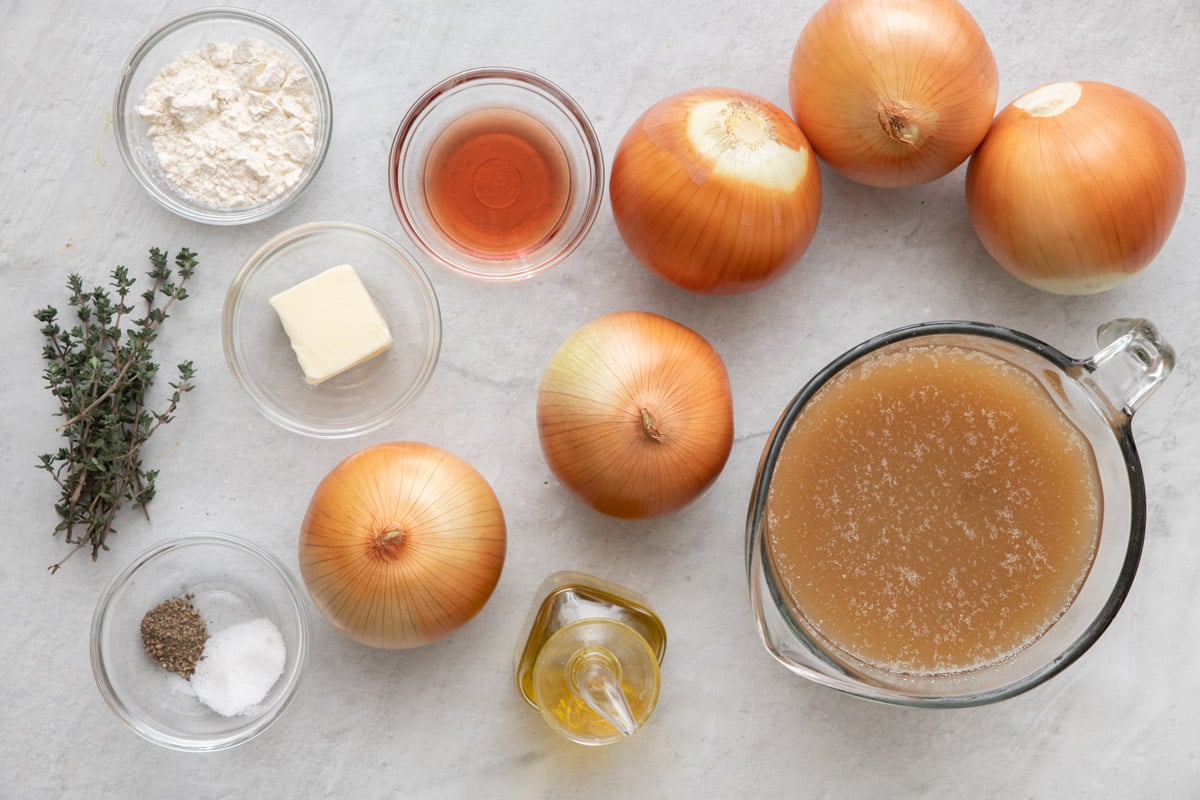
pixel 200 643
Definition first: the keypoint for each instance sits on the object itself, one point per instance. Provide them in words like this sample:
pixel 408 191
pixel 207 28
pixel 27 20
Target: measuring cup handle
pixel 1132 361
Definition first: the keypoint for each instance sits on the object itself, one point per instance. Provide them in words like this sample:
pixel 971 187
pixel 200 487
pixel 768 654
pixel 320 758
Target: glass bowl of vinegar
pixel 496 174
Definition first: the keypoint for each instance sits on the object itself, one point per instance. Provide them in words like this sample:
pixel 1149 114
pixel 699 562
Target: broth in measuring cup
pixel 932 511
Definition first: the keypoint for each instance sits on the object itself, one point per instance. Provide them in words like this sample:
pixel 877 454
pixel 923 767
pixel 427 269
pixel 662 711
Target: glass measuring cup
pixel 1098 396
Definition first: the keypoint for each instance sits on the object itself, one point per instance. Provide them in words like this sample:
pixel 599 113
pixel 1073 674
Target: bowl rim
pixel 210 214
pixel 546 90
pixel 301 646
pixel 425 290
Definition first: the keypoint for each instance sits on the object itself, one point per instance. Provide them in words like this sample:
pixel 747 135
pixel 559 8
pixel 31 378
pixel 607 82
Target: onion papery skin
pixel 1077 186
pixel 893 93
pixel 596 439
pixel 428 579
pixel 716 191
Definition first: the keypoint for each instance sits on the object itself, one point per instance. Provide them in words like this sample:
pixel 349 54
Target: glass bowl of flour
pixel 223 116
pixel 200 643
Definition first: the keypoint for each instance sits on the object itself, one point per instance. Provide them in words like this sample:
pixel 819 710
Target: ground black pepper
pixel 174 633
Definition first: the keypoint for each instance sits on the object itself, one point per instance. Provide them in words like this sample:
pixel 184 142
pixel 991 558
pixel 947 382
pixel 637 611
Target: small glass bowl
pixel 229 581
pixel 364 397
pixel 507 91
pixel 192 31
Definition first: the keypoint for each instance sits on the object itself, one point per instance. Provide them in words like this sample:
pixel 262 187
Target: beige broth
pixel 932 510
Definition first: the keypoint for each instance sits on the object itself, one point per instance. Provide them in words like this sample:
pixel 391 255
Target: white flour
pixel 232 124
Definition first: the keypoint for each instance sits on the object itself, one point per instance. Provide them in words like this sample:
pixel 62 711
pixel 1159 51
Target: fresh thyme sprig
pixel 100 369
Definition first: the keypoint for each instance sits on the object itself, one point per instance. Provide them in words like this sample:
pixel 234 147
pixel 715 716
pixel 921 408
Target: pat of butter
pixel 332 323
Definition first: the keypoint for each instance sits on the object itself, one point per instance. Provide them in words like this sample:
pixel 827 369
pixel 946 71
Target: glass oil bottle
pixel 590 662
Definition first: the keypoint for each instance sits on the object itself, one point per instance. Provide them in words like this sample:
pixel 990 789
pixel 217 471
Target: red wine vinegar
pixel 497 183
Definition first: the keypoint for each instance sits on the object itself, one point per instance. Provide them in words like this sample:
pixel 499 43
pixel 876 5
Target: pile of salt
pixel 240 665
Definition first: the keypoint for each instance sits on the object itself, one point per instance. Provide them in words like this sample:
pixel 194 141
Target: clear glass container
pixel 365 397
pixel 590 661
pixel 1099 396
pixel 229 581
pixel 497 96
pixel 192 31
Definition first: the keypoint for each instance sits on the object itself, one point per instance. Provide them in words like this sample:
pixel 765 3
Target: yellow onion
pixel 402 544
pixel 635 414
pixel 893 93
pixel 716 191
pixel 1076 187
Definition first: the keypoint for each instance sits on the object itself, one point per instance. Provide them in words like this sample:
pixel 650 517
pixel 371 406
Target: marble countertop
pixel 445 720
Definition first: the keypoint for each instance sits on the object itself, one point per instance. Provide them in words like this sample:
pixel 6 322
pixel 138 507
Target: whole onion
pixel 1077 186
pixel 402 544
pixel 893 93
pixel 716 191
pixel 635 414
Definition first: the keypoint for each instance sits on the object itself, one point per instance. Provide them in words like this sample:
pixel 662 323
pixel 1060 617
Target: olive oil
pixel 590 662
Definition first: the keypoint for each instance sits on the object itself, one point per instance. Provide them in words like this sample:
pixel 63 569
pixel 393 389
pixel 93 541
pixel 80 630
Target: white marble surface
pixel 445 721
